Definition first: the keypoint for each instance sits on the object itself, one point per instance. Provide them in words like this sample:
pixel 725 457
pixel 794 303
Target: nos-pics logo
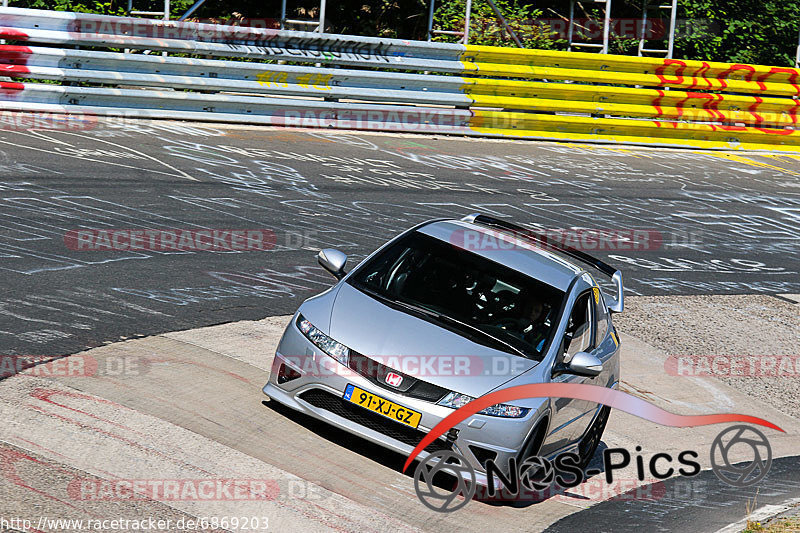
pixel 539 474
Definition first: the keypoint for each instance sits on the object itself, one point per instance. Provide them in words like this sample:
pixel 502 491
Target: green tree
pixel 741 31
pixel 487 29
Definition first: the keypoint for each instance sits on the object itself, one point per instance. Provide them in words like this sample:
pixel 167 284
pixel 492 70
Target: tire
pixel 591 439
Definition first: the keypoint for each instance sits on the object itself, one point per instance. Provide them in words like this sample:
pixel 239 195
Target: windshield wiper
pixel 485 334
pixel 441 318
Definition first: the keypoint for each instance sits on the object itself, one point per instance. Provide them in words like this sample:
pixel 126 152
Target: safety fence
pixel 118 66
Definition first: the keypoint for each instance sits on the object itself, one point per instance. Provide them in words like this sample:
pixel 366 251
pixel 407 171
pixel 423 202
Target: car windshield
pixel 480 299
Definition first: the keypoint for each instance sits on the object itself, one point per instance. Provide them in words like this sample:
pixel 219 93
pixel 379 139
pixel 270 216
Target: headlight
pixel 337 350
pixel 456 400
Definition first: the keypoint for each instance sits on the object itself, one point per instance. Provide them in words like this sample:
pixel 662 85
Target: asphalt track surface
pixel 191 409
pixel 704 504
pixel 725 223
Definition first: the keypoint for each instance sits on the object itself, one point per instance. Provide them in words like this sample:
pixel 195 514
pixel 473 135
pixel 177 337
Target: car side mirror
pixel 333 261
pixel 585 364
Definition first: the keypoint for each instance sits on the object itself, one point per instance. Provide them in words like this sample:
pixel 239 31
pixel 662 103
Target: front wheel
pixel 588 444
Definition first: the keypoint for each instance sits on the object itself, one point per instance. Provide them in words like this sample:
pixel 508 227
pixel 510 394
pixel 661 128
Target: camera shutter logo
pixel 743 474
pixel 442 500
pixel 536 473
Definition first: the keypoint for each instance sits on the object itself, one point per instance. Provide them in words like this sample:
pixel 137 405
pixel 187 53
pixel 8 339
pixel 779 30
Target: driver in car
pixel 532 326
pixel 535 333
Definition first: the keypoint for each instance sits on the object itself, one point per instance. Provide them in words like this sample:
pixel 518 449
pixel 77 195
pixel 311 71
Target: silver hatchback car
pixel 446 312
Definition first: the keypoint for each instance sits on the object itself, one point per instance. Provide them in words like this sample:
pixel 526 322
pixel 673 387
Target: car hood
pixel 420 348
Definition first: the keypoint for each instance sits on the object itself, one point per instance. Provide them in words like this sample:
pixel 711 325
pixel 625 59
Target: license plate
pixel 382 406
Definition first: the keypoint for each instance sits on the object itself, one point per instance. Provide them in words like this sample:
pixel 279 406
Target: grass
pixel 778 525
pixel 773 525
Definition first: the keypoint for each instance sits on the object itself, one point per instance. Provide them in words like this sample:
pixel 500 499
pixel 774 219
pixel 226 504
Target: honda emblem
pixel 394 379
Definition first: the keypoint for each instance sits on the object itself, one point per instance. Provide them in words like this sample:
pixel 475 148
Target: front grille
pixel 412 387
pixel 359 415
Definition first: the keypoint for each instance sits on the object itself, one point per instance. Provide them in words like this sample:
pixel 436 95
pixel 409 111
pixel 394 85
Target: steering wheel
pixel 506 323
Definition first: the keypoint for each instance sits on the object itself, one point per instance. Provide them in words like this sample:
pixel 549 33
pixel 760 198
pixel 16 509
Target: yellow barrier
pixel 622 101
pixel 632 131
pixel 633 110
pixel 630 78
pixel 631 64
pixel 618 92
pixel 487 91
pixel 622 95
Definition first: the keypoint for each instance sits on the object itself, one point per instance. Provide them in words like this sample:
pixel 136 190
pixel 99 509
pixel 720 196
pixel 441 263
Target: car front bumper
pixel 320 395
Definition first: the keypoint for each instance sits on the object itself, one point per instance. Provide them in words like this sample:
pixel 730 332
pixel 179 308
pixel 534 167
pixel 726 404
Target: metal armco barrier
pixel 387 84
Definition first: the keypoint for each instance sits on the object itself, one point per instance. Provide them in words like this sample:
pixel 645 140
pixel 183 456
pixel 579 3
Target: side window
pixel 579 328
pixel 602 315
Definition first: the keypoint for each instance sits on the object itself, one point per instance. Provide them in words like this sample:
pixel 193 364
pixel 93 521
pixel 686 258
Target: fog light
pixel 287 374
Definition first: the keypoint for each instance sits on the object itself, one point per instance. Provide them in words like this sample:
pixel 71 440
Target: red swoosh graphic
pixel 593 393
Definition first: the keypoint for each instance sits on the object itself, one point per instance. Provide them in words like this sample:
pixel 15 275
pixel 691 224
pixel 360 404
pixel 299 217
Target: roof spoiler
pixel 614 305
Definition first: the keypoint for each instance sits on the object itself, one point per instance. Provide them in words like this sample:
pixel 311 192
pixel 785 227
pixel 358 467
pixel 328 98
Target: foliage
pixel 487 29
pixel 742 31
pixel 107 7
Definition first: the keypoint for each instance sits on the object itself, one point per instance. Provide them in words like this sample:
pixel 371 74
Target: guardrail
pixel 261 76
